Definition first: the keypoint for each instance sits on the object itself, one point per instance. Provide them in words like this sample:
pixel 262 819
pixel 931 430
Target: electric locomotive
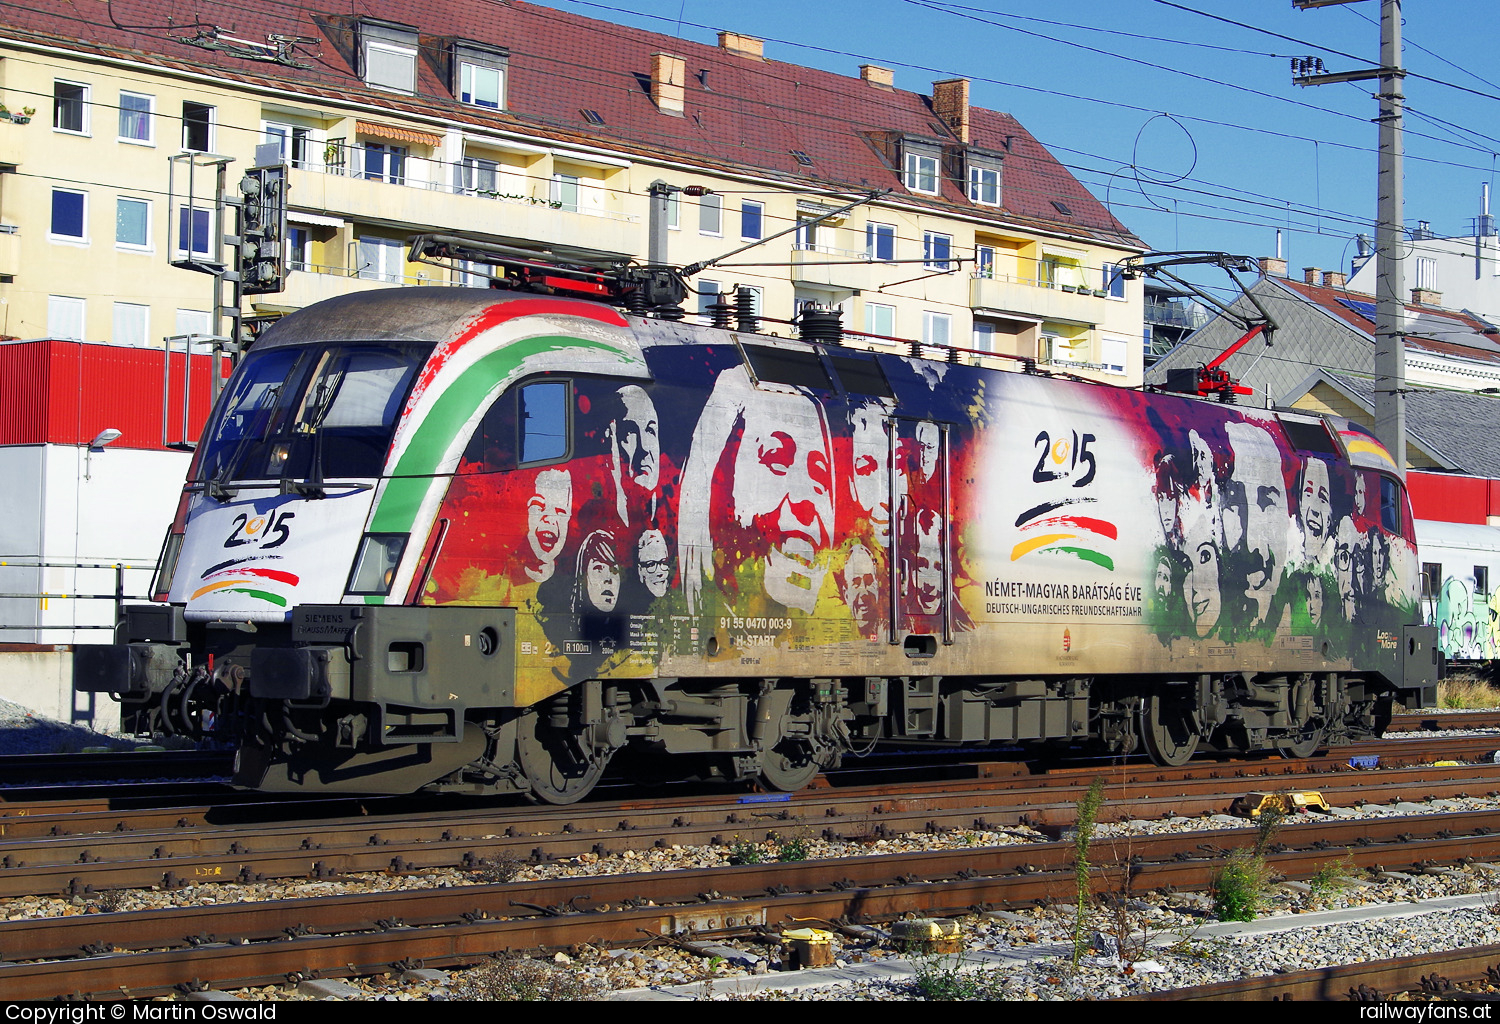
pixel 478 541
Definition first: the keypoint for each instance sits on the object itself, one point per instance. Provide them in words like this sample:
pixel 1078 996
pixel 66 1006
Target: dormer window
pixel 984 185
pixel 388 56
pixel 922 172
pixel 479 75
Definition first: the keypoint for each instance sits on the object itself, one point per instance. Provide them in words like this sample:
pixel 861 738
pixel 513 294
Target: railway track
pixel 82 852
pixel 242 944
pixel 93 847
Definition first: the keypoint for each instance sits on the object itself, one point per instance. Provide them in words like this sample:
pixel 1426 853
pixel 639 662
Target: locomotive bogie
pixel 597 539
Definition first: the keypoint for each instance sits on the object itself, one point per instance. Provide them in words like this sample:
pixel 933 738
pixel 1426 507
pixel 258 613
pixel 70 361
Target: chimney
pixel 1310 275
pixel 1334 279
pixel 668 73
pixel 1426 297
pixel 879 77
pixel 950 101
pixel 743 46
pixel 1272 266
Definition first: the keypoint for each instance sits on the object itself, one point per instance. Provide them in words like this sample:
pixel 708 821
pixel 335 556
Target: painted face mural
pixel 860 584
pixel 927 450
pixel 1315 598
pixel 653 563
pixel 926 583
pixel 1348 553
pixel 758 488
pixel 1200 550
pixel 547 515
pixel 1315 504
pixel 763 521
pixel 637 440
pixel 1255 515
pixel 598 573
pixel 871 477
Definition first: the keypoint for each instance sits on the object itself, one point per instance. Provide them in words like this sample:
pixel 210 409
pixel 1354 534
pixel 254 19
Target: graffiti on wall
pixel 1468 623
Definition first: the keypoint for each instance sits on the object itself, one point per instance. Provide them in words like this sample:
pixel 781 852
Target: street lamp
pixel 106 436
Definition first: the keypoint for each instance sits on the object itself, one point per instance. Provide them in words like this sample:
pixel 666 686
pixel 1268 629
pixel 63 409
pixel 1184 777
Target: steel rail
pixel 565 912
pixel 77 865
pixel 1371 980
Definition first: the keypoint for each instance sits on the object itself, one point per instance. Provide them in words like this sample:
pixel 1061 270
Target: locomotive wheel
pixel 1169 729
pixel 1301 744
pixel 789 767
pixel 559 768
pixel 1310 732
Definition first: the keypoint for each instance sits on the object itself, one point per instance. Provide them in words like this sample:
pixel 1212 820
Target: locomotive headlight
pixel 375 564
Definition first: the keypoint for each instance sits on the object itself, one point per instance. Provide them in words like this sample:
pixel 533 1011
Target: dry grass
pixel 1467 692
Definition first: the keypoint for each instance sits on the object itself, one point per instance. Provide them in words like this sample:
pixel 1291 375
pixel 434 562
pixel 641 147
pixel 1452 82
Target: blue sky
pixel 1187 126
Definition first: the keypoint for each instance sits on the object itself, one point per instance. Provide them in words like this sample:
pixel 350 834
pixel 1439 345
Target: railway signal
pixel 263 230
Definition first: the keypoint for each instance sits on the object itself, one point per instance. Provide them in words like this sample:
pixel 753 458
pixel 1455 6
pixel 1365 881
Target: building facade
pixel 526 126
pixel 511 124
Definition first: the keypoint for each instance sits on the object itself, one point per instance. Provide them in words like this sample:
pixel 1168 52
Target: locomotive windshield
pixel 311 412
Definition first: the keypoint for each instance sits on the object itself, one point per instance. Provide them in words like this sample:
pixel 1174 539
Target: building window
pixel 70 107
pixel 69 216
pixel 937 328
pixel 197 127
pixel 385 163
pixel 984 336
pixel 133 224
pixel 293 142
pixel 751 217
pixel 810 234
pixel 381 259
pixel 880 319
pixel 1113 353
pixel 1481 581
pixel 194 232
pixel 1114 281
pixel 479 85
pixel 132 324
pixel 921 173
pixel 936 250
pixel 1427 273
pixel 984 185
pixel 880 241
pixel 565 192
pixel 708 294
pixel 476 175
pixel 194 321
pixel 65 318
pixel 136 123
pixel 711 215
pixel 984 262
pixel 298 248
pixel 674 212
pixel 391 67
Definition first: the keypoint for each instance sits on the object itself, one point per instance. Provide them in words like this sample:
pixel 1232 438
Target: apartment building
pixel 509 123
pixel 519 124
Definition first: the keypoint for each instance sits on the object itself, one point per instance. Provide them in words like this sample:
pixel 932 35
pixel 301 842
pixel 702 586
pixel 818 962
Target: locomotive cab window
pixel 319 411
pixel 1390 505
pixel 544 421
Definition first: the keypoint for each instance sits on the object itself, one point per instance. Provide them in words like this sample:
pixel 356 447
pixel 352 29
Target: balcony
pixel 420 192
pixel 1034 297
pixel 1188 317
pixel 10 249
pixel 823 266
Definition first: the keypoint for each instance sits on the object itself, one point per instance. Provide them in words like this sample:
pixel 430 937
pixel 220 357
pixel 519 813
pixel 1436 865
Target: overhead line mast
pixel 1390 286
